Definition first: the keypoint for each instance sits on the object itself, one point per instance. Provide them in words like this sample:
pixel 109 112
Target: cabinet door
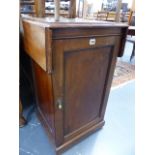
pixel 81 76
pixel 85 73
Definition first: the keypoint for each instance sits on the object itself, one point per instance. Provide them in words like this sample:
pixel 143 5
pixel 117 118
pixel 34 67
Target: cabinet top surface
pixel 67 22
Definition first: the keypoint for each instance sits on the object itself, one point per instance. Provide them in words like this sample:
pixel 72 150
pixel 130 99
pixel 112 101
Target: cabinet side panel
pixel 44 95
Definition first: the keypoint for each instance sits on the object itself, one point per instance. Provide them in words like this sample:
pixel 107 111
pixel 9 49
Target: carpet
pixel 124 72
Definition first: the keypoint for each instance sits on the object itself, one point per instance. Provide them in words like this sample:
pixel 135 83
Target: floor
pixel 115 138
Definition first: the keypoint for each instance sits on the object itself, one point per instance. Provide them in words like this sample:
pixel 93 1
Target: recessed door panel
pixel 85 73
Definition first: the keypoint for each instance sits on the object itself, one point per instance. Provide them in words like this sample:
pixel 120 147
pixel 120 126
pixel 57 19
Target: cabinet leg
pixel 22 120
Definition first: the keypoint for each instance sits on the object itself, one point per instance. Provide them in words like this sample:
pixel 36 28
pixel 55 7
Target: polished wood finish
pixel 36 38
pixel 72 92
pixel 78 89
pixel 43 85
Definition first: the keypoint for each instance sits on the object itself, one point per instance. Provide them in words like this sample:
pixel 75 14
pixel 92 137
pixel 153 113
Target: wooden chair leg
pixel 22 120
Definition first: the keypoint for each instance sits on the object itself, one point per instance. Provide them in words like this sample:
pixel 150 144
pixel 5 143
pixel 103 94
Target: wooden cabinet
pixel 73 66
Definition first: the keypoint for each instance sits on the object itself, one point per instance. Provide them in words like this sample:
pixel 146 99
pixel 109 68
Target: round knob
pixel 59 104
